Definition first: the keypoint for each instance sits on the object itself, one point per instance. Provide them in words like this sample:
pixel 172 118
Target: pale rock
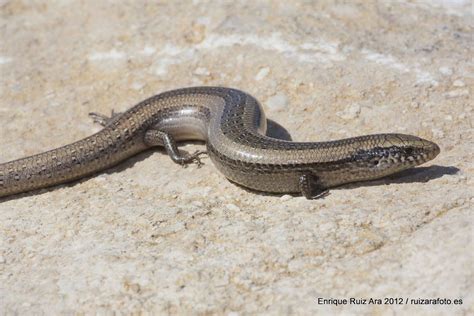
pixel 445 71
pixel 278 102
pixel 202 71
pixel 415 105
pixel 262 73
pixel 138 85
pixel 459 83
pixel 456 93
pixel 232 207
pixel 438 133
pixel 351 112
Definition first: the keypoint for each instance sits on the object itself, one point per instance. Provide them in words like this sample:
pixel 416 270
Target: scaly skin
pixel 233 125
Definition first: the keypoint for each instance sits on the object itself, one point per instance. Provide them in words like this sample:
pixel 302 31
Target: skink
pixel 233 125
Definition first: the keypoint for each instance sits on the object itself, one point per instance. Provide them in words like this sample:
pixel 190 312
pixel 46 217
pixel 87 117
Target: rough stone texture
pixel 152 236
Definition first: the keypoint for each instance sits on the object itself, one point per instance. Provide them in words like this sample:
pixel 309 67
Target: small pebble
pixel 137 86
pixel 197 33
pixel 232 207
pixel 351 112
pixel 262 73
pixel 201 71
pixel 148 50
pixel 458 83
pixel 415 105
pixel 197 203
pixel 456 93
pixel 437 133
pixel 445 71
pixel 100 178
pixel 278 102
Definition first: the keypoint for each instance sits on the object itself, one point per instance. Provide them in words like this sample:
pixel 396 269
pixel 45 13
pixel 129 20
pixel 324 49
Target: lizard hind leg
pixel 154 137
pixel 103 119
pixel 310 187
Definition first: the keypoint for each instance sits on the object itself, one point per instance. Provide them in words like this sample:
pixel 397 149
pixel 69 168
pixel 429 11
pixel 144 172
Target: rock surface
pixel 151 236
